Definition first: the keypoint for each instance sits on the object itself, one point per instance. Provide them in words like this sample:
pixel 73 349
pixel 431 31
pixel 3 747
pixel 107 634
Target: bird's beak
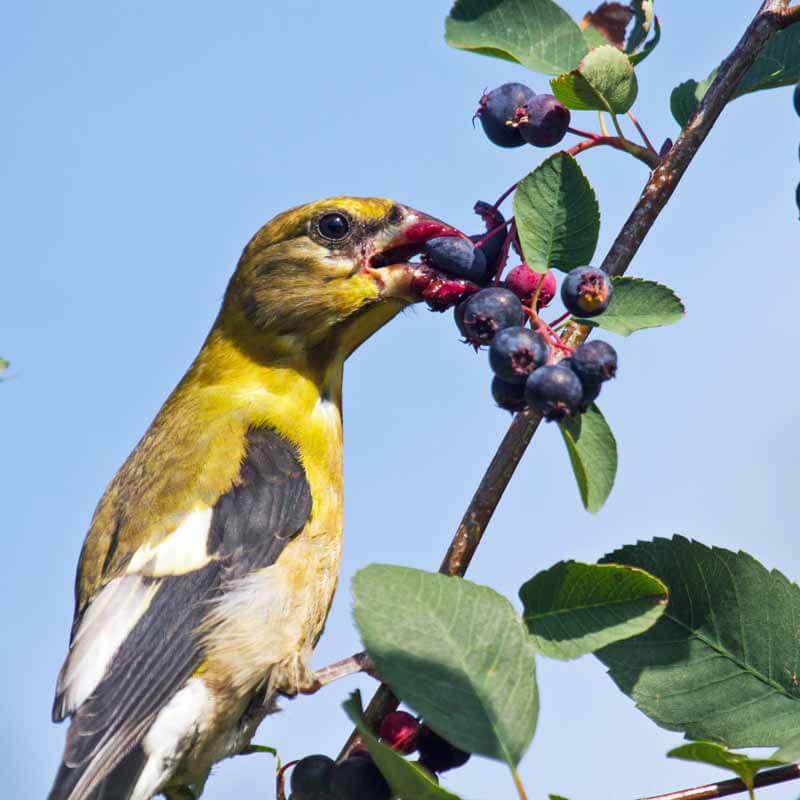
pixel 389 262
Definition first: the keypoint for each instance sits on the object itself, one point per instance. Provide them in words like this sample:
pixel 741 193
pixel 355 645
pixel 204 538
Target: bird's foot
pixel 360 662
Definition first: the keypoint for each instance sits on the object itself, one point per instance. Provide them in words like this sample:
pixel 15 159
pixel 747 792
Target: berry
pixel 510 396
pixel 594 362
pixel 436 753
pixel 491 250
pixel 311 778
pixel 591 389
pixel 516 352
pixel 456 256
pixel 489 311
pixel 496 112
pixel 399 731
pixel 542 121
pixel 797 98
pixel 523 281
pixel 554 391
pixel 357 778
pixel 586 291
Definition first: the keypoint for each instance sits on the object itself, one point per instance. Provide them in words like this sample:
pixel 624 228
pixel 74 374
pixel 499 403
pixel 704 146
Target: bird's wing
pixel 137 642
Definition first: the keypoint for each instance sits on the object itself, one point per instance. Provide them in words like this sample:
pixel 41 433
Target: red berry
pixel 399 730
pixel 523 281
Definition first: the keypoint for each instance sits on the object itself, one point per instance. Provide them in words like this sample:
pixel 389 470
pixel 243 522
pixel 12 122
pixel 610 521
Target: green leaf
pixel 593 454
pixel 4 365
pixel 572 609
pixel 638 304
pixel 456 652
pixel 643 13
pixel 718 756
pixel 777 65
pixel 557 215
pixel 637 58
pixel 603 81
pixel 722 661
pixel 406 780
pixel 536 33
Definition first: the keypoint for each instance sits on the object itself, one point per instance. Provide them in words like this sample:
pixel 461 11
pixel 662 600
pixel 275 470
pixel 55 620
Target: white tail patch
pixel 184 550
pixel 110 617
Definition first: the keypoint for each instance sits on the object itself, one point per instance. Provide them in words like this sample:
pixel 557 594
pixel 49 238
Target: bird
pixel 212 558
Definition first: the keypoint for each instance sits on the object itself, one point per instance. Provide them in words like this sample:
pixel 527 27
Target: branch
pixel 733 786
pixel 771 17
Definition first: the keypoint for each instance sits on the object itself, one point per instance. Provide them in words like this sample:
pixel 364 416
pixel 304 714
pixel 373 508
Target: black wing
pixel 250 526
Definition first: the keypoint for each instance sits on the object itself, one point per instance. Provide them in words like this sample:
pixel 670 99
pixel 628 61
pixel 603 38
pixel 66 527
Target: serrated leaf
pixel 604 81
pixel 557 215
pixel 572 609
pixel 719 756
pixel 638 304
pixel 643 13
pixel 406 780
pixel 593 454
pixel 637 58
pixel 722 661
pixel 777 65
pixel 456 652
pixel 538 34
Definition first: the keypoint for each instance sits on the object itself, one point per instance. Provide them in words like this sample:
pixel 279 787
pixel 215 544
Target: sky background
pixel 144 143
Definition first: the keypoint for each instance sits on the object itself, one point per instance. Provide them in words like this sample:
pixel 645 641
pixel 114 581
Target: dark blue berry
pixel 543 121
pixel 436 753
pixel 594 361
pixel 554 391
pixel 516 352
pixel 510 396
pixel 491 249
pixel 797 195
pixel 457 257
pixel 489 311
pixel 357 778
pixel 497 110
pixel 797 98
pixel 586 291
pixel 591 388
pixel 311 778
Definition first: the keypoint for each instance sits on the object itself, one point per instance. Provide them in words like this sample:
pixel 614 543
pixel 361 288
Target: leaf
pixel 406 780
pixel 558 218
pixel 643 15
pixel 638 304
pixel 722 661
pixel 718 756
pixel 572 609
pixel 637 58
pixel 606 25
pixel 603 81
pixel 593 454
pixel 538 34
pixel 777 65
pixel 458 653
pixel 4 365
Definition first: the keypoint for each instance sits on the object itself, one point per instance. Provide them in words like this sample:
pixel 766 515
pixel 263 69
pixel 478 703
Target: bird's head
pixel 336 270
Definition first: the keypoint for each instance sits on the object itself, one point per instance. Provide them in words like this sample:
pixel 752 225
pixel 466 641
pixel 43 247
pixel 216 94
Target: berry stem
pixel 490 233
pixel 584 134
pixel 559 319
pixel 503 257
pixel 503 196
pixel 651 159
pixel 642 133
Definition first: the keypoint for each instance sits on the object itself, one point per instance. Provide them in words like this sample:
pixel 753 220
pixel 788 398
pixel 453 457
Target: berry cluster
pixel 357 778
pixel 513 114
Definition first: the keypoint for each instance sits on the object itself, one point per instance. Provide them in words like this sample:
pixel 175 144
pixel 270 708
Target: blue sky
pixel 145 143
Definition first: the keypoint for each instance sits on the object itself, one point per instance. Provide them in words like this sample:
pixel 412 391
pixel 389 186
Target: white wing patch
pixel 107 621
pixel 184 550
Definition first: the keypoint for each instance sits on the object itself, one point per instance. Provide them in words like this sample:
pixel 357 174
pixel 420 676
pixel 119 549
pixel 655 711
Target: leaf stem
pixel 584 134
pixel 651 159
pixel 642 133
pixel 518 784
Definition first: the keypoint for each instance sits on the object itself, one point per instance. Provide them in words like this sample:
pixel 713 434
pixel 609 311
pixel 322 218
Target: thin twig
pixel 651 159
pixel 733 786
pixel 659 188
pixel 644 136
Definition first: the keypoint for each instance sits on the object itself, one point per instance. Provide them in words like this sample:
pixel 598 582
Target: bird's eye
pixel 334 226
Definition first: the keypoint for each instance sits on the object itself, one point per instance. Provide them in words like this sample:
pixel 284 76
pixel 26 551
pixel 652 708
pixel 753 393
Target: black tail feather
pixel 117 785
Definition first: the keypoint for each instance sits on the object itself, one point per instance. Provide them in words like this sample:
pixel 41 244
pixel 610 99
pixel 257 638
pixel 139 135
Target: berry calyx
pixel 586 291
pixel 496 111
pixel 516 352
pixel 524 281
pixel 357 778
pixel 509 396
pixel 457 257
pixel 399 730
pixel 311 778
pixel 594 361
pixel 543 120
pixel 436 753
pixel 554 391
pixel 489 311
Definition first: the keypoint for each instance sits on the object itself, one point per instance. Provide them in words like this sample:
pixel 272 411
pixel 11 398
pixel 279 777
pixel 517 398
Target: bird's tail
pixel 117 785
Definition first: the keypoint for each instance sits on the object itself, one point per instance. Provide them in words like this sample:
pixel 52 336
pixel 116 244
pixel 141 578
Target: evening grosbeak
pixel 212 558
